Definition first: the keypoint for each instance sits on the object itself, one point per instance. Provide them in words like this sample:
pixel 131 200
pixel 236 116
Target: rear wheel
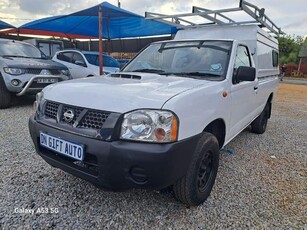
pixel 195 187
pixel 5 95
pixel 259 125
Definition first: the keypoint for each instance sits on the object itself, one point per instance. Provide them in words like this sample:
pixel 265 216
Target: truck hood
pixel 29 63
pixel 117 94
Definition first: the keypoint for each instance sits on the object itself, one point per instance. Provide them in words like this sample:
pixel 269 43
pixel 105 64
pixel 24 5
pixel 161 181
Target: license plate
pixel 46 80
pixel 67 148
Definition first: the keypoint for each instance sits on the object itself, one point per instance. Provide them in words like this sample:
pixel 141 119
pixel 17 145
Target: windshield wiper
pixel 19 56
pixel 149 70
pixel 197 75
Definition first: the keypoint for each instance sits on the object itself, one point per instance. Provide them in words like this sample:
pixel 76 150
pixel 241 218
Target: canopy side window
pixel 275 58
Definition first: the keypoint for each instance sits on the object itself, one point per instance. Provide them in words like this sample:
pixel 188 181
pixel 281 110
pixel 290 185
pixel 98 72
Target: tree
pixel 289 47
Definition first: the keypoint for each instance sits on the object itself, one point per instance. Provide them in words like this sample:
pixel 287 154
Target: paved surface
pixel 295 81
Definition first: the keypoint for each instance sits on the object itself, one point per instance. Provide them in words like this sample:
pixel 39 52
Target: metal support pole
pixel 299 66
pixel 100 42
pixel 89 45
pixel 18 38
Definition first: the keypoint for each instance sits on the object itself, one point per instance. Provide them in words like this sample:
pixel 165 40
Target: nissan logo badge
pixel 69 115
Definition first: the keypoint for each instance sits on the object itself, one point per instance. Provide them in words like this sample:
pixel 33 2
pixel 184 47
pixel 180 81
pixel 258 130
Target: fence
pixel 292 70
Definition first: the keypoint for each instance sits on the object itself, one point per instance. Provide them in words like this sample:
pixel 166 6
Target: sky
pixel 291 16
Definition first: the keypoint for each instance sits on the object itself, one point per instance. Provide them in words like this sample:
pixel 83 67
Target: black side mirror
pixel 245 73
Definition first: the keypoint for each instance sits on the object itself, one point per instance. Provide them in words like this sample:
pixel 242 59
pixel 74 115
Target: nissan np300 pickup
pixel 162 120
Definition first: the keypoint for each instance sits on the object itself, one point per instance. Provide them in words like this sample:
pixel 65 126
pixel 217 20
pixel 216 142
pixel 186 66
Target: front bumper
pixel 32 87
pixel 120 165
pixel 28 83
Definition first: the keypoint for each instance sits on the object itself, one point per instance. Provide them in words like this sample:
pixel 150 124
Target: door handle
pixel 255 87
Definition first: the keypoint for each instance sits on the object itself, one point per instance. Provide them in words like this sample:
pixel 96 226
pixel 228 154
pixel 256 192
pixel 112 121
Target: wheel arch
pixel 269 101
pixel 218 129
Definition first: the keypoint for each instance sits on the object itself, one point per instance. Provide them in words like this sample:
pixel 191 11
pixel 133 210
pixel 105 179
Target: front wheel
pixel 259 125
pixel 195 187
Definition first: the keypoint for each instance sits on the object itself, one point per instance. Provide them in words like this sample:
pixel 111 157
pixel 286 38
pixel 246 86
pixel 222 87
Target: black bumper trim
pixel 120 165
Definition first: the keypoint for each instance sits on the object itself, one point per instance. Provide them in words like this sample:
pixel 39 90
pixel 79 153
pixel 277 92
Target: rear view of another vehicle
pixel 24 70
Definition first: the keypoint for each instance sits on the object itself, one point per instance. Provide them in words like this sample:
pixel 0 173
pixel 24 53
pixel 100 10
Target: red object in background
pixel 46 33
pixel 294 67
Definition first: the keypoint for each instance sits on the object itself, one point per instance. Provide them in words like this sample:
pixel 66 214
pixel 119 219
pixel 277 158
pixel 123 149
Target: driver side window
pixel 242 59
pixel 77 58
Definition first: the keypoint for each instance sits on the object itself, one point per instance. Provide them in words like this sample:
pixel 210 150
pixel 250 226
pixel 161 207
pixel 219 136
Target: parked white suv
pixel 85 63
pixel 163 119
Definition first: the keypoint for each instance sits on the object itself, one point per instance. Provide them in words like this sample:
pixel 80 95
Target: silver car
pixel 25 70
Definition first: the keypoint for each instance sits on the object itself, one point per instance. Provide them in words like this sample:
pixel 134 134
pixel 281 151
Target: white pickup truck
pixel 163 120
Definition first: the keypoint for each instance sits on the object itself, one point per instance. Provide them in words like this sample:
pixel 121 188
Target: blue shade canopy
pixel 117 23
pixel 4 25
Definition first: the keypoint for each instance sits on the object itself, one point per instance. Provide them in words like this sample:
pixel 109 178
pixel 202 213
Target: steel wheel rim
pixel 205 171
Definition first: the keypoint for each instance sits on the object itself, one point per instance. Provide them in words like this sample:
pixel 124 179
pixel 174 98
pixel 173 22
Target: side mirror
pixel 245 73
pixel 81 63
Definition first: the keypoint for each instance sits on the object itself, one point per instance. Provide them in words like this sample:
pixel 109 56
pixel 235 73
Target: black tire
pixel 5 95
pixel 259 125
pixel 195 187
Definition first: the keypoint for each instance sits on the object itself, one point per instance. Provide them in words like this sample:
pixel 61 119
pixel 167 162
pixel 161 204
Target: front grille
pixel 94 120
pixel 34 71
pixel 38 71
pixel 91 119
pixel 51 110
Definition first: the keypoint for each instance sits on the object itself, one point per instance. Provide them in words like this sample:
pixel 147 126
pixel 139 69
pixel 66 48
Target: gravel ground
pixel 262 186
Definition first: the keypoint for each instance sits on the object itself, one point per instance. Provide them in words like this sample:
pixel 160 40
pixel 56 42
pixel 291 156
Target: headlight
pixel 65 72
pixel 14 71
pixel 150 125
pixel 38 103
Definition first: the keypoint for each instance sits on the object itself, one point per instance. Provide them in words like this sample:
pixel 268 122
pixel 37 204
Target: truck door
pixel 243 94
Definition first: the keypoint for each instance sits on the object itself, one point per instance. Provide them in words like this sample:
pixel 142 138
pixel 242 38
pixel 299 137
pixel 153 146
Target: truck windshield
pixel 16 49
pixel 197 59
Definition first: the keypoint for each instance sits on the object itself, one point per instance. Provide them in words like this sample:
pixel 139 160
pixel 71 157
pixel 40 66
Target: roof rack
pixel 219 17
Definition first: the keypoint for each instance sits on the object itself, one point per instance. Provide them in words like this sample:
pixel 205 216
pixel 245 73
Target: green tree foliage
pixel 289 47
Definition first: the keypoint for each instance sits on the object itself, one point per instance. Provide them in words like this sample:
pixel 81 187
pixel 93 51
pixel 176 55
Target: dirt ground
pixel 291 100
pixel 291 92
